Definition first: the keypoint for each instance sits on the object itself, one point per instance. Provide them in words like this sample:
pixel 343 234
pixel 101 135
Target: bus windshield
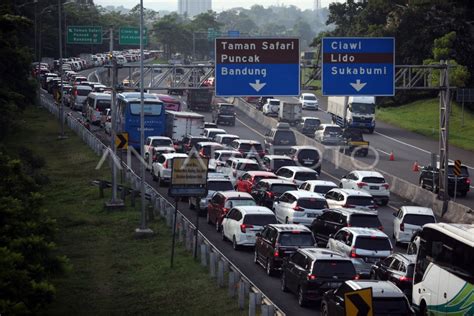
pixel 154 109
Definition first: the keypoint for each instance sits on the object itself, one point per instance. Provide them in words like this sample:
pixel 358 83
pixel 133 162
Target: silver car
pixel 329 134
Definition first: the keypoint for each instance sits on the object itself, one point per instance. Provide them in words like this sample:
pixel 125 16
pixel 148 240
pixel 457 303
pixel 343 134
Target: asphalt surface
pixel 243 259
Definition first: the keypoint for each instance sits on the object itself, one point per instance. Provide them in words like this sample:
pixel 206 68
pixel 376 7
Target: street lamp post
pixel 61 104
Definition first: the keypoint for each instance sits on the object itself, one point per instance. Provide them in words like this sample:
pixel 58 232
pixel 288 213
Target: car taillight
pixel 298 208
pixel 243 227
pixel 311 277
pixel 361 184
pixel 386 186
pixel 75 93
pixel 468 181
pixel 402 227
pixel 270 194
pixel 276 253
pixel 353 252
pixel 356 277
pixel 165 165
pixel 405 279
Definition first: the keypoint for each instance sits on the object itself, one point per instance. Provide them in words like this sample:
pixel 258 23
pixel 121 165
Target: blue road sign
pixel 257 67
pixel 358 66
pixel 233 33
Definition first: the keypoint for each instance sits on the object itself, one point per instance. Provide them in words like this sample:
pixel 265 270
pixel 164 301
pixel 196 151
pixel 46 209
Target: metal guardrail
pixel 249 296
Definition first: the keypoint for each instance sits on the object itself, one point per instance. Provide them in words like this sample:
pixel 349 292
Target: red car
pixel 249 179
pixel 223 202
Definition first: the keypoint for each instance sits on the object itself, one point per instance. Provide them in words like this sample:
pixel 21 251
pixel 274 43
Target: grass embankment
pixel 423 117
pixel 112 272
pixel 160 61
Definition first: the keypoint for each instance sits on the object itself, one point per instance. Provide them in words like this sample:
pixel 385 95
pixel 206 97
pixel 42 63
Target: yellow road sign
pixel 121 141
pixel 359 303
pixel 189 171
pixel 457 168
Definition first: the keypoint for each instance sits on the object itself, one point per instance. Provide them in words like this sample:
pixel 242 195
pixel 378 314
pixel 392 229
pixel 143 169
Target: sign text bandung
pixel 84 35
pixel 257 66
pixel 358 66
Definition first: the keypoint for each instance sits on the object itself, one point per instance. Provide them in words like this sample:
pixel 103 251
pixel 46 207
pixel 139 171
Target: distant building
pixel 192 8
pixel 317 5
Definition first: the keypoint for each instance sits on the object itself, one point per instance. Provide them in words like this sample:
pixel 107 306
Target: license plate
pixel 308 163
pixel 374 188
pixel 311 215
pixel 333 284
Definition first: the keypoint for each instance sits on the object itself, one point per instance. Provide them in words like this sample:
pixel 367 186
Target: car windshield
pixel 332 130
pixel 365 220
pixel 304 176
pixel 248 166
pixel 312 203
pixel 418 220
pixel 148 108
pixel 239 202
pixel 225 156
pixel 310 97
pixel 464 171
pixel 282 188
pixel 161 142
pixel 285 138
pixel 278 163
pixel 363 108
pixel 196 140
pixel 296 238
pixel 308 154
pixel 101 105
pixel 83 92
pixel 329 268
pixel 390 306
pixel 323 189
pixel 360 200
pixel 226 109
pixel 258 178
pixel 372 243
pixel 312 122
pixel 274 102
pixel 259 219
pixel 228 140
pixel 373 180
pixel 248 147
pixel 219 186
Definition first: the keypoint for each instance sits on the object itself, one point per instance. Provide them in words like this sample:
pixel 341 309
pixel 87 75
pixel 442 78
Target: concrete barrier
pixel 456 213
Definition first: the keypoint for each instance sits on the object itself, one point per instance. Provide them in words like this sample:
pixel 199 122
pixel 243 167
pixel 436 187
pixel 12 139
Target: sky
pixel 217 5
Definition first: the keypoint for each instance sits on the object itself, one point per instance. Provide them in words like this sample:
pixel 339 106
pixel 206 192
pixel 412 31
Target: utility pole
pixel 444 108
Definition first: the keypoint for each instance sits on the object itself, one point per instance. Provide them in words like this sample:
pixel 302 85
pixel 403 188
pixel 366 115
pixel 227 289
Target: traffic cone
pixel 415 167
pixel 392 156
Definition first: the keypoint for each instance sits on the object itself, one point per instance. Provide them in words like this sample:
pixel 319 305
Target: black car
pixel 429 179
pixel 398 269
pixel 272 163
pixel 266 190
pixel 261 101
pixel 278 241
pixel 310 272
pixel 332 220
pixel 224 113
pixel 279 140
pixel 387 299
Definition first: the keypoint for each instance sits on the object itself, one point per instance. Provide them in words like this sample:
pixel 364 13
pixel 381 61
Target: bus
pixel 128 118
pixel 444 270
pixel 171 104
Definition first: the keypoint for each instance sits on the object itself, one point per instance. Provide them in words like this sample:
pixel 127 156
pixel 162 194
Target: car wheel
pixel 234 243
pixel 269 268
pixel 255 257
pixel 191 205
pixel 324 309
pixel 208 218
pixel 423 309
pixel 283 283
pixel 301 299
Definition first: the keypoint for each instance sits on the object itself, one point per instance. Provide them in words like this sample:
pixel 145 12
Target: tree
pixel 170 31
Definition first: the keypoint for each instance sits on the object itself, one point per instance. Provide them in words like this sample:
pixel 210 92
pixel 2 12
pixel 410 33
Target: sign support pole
pixel 455 188
pixel 174 230
pixel 196 232
pixel 61 101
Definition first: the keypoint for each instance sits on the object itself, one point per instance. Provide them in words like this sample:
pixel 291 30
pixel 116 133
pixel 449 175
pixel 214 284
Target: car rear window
pixel 308 154
pixel 228 140
pixel 365 220
pixel 304 176
pixel 390 306
pixel 296 239
pixel 332 130
pixel 373 243
pixel 282 188
pixel 239 202
pixel 313 203
pixel 418 220
pixel 360 200
pixel 278 163
pixel 464 171
pixel 161 142
pixel 274 102
pixel 103 104
pixel 373 180
pixel 259 219
pixel 329 268
pixel 226 109
pixel 83 92
pixel 312 123
pixel 219 186
pixel 194 141
pixel 248 166
pixel 258 178
pixel 323 189
pixel 284 138
pixel 225 156
pixel 247 147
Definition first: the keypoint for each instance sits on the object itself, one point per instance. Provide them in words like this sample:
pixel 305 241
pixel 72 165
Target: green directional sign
pixel 212 34
pixel 131 36
pixel 84 35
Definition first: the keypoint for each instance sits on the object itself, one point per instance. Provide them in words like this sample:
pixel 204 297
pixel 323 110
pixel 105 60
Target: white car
pixel 212 132
pixel 318 186
pixel 309 101
pixel 271 107
pixel 299 207
pixel 161 168
pixel 221 156
pixel 346 198
pixel 296 174
pixel 329 134
pixel 355 242
pixel 215 182
pixel 241 224
pixel 157 144
pixel 225 139
pixel 410 219
pixel 372 182
pixel 236 167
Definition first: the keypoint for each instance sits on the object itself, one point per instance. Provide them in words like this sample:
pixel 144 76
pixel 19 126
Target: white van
pixel 97 105
pixel 410 219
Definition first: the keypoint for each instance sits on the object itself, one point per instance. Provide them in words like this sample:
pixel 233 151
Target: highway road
pixel 246 128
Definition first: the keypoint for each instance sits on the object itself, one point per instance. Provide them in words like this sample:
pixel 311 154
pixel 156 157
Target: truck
pixel 359 112
pixel 199 99
pixel 290 112
pixel 181 124
pixel 354 143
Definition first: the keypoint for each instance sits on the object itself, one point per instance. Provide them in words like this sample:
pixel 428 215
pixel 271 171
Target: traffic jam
pixel 316 231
